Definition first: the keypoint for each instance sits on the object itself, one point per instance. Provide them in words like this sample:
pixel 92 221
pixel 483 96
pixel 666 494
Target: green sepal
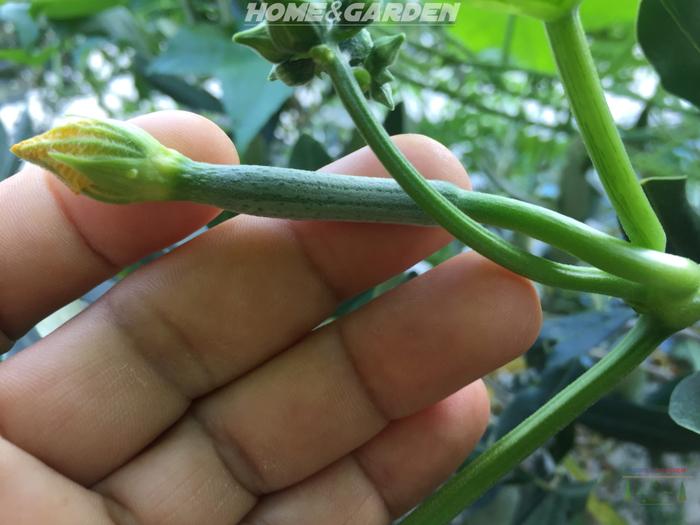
pixel 107 160
pixel 382 94
pixel 297 38
pixel 384 77
pixel 384 53
pixel 294 72
pixel 358 47
pixel 258 38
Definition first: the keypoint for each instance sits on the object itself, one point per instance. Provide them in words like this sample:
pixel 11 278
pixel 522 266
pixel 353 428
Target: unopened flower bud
pixel 108 160
pixel 384 52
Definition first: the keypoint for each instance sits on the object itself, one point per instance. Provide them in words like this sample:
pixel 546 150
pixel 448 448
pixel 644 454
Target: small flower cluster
pixel 288 47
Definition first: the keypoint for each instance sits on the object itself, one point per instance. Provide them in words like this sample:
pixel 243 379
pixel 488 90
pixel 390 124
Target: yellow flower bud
pixel 108 160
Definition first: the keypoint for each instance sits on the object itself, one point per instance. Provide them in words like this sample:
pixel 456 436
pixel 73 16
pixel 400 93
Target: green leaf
pixel 540 9
pixel 68 9
pixel 181 91
pixel 249 98
pixel 122 27
pixel 27 57
pixel 18 15
pixel 199 50
pixel 669 33
pixel 484 31
pixel 680 221
pixel 685 403
pixel 394 123
pixel 644 424
pixel 308 154
pixel 600 14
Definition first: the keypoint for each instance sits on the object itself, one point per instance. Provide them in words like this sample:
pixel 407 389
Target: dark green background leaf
pixel 669 33
pixel 249 98
pixel 308 154
pixel 685 403
pixel 679 219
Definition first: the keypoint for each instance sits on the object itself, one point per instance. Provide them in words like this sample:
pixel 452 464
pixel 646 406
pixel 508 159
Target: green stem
pixel 600 134
pixel 310 195
pixel 445 213
pixel 469 484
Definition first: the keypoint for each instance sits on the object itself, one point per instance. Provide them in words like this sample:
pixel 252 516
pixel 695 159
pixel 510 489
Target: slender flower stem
pixel 600 134
pixel 504 455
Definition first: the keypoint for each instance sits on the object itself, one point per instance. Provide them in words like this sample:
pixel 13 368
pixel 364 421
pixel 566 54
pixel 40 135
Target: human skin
pixel 197 390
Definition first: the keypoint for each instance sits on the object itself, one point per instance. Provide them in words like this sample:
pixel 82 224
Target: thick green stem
pixel 600 134
pixel 504 455
pixel 297 194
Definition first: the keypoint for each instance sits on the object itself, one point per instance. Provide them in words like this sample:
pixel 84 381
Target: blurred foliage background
pixel 485 87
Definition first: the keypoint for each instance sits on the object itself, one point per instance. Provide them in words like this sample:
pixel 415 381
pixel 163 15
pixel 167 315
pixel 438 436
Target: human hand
pixel 197 390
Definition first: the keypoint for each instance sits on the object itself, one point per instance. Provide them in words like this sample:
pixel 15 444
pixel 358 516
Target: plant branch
pixel 600 134
pixel 431 201
pixel 504 455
